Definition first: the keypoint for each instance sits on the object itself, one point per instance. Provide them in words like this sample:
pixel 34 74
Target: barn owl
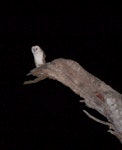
pixel 39 55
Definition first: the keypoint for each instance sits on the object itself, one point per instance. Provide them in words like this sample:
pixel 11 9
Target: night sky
pixel 47 114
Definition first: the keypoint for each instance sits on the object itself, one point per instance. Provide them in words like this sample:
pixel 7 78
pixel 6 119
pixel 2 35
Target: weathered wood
pixel 97 94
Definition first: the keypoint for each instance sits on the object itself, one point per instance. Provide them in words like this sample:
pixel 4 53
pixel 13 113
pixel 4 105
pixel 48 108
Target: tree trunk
pixel 96 94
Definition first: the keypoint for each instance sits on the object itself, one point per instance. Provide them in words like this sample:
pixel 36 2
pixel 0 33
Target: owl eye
pixel 35 49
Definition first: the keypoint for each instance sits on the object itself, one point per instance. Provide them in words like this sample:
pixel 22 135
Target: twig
pixel 98 120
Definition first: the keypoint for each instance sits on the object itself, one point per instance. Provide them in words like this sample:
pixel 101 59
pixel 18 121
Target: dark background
pixel 47 114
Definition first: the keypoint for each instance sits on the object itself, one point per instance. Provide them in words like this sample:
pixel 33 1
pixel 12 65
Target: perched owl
pixel 39 55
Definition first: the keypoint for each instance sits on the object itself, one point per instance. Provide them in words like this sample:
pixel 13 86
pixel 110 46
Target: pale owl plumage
pixel 39 56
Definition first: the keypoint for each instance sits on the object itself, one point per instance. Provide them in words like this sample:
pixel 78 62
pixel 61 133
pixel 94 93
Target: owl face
pixel 35 49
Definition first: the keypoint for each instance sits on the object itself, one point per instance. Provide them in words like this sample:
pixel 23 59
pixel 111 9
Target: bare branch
pixel 96 93
pixel 98 120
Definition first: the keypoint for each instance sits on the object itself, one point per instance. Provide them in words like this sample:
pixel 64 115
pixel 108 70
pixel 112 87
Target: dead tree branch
pixel 97 95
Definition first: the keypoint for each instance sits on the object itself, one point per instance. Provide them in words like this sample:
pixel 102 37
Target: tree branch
pixel 96 93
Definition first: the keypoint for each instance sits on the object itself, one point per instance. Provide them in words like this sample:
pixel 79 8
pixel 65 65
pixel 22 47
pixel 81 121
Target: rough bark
pixel 97 94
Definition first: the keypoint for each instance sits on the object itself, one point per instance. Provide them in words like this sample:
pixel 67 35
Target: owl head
pixel 35 49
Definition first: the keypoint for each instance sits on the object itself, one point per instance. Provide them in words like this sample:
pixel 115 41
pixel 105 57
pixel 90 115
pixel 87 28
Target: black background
pixel 47 114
